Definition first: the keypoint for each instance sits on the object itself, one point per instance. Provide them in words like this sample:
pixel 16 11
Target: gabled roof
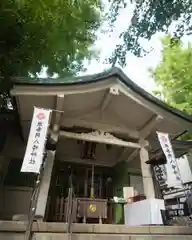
pixel 113 72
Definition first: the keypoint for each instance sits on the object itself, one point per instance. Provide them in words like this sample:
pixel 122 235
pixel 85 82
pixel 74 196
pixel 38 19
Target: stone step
pixel 15 230
pixel 11 236
pixel 64 236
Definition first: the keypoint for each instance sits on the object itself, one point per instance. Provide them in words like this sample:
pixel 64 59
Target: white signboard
pixel 160 174
pixel 36 141
pixel 172 170
pixel 184 168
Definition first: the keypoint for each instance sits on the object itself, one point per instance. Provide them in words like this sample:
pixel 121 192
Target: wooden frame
pixel 100 137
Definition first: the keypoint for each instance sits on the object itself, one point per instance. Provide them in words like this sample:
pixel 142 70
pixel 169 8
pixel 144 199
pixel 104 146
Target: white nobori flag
pixel 36 141
pixel 173 174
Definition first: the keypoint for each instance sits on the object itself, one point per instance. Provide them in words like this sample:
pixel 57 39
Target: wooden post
pixel 100 185
pixel 86 183
pixel 146 174
pixel 92 183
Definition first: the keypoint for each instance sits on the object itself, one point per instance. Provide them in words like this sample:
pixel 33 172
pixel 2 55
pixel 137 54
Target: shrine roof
pixel 99 77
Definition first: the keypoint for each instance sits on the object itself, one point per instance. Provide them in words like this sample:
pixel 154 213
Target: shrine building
pixel 102 132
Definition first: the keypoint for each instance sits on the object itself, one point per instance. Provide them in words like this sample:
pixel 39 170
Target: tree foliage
pixel 173 75
pixel 149 17
pixel 56 34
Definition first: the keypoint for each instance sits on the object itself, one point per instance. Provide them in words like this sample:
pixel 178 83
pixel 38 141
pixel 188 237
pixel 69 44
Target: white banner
pixel 36 141
pixel 172 170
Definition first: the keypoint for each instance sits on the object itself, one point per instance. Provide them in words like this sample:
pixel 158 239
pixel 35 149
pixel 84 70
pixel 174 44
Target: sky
pixel 136 68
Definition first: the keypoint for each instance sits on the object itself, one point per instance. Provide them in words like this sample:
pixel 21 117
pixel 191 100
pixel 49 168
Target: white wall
pixel 137 183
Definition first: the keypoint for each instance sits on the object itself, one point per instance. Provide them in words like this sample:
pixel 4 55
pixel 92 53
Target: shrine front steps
pixel 13 230
pixel 59 236
pixel 64 236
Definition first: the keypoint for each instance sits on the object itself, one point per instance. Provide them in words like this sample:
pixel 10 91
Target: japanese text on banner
pixel 173 174
pixel 36 141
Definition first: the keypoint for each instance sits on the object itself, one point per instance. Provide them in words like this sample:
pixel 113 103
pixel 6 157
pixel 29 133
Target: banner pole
pixel 34 199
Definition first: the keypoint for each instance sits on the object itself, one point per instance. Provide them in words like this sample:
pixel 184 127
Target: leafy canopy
pixel 56 34
pixel 173 75
pixel 149 17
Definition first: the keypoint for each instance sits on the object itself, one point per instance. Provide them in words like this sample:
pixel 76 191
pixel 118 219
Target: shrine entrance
pixel 85 177
pixel 106 109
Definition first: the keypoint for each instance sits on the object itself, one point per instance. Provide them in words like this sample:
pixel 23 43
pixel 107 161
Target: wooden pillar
pixel 146 174
pixel 86 183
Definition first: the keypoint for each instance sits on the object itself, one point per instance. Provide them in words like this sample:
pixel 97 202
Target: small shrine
pixel 101 145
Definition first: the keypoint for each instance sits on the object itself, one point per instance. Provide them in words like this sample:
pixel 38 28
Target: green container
pixel 119 212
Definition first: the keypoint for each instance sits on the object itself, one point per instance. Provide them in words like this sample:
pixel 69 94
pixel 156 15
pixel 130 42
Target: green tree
pixel 149 17
pixel 57 34
pixel 173 75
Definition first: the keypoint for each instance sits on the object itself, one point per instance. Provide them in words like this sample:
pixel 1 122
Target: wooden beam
pixel 148 127
pixel 100 137
pixel 70 122
pixel 133 155
pixel 107 98
pixel 144 133
pixel 122 122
